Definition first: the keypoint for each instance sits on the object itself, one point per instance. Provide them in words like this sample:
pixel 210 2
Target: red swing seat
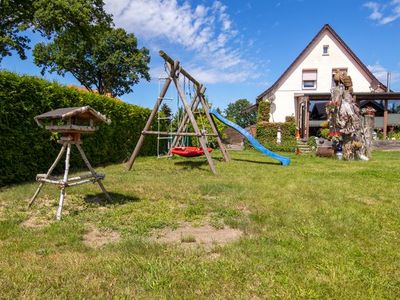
pixel 189 151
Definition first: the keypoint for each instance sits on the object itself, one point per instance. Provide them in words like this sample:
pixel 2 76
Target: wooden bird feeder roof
pixel 71 119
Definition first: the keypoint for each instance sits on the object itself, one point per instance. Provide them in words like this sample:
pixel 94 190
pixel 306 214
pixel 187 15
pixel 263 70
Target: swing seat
pixel 189 151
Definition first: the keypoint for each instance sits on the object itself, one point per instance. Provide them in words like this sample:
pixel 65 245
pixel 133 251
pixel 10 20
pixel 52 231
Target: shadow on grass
pixel 190 164
pixel 258 161
pixel 116 198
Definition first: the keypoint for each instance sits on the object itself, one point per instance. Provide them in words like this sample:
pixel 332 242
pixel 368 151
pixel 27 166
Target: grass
pixel 188 239
pixel 319 228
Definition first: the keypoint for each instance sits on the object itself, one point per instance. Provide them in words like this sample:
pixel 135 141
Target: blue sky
pixel 239 48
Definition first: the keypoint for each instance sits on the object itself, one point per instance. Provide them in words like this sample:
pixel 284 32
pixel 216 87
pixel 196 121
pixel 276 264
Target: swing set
pixel 197 104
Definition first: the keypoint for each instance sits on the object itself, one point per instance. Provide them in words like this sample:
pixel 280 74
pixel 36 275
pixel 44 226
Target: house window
pixel 309 81
pixel 325 50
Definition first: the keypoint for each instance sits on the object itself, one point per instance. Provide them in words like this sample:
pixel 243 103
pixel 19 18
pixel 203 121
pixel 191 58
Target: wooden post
pixel 194 124
pixel 214 127
pixel 60 154
pixel 385 119
pixel 64 182
pixel 369 124
pixel 184 122
pixel 307 113
pixel 160 98
pixel 98 180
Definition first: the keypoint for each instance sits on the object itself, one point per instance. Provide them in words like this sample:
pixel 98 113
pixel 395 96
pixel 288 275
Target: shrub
pixel 266 134
pixel 27 149
pixel 264 108
pixel 324 132
pixel 312 142
pixel 290 119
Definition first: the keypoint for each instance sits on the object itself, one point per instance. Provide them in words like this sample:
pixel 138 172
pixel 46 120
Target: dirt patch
pixel 96 238
pixel 189 236
pixel 35 222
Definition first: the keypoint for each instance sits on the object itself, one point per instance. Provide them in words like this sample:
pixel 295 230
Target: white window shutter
pixel 309 75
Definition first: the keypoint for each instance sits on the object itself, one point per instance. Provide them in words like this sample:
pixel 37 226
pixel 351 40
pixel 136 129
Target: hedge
pixel 266 134
pixel 263 112
pixel 27 149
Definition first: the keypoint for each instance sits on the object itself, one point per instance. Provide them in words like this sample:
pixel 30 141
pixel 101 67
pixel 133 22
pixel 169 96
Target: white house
pixel 309 78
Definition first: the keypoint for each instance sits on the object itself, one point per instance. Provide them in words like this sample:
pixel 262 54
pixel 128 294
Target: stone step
pixel 304 148
pixel 234 147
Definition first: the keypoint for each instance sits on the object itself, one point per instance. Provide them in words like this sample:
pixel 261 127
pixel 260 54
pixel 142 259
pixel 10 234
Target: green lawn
pixel 319 228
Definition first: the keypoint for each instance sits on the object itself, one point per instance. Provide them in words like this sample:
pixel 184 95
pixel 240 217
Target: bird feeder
pixel 70 122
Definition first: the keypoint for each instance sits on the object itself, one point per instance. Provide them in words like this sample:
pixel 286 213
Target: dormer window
pixel 325 50
pixel 309 80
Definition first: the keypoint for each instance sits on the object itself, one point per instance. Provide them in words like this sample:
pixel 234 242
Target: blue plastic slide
pixel 256 144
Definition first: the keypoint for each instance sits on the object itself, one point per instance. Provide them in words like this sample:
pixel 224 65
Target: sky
pixel 239 48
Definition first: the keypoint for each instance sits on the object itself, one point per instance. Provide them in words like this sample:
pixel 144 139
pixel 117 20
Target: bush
pixel 324 132
pixel 266 134
pixel 312 142
pixel 264 108
pixel 290 119
pixel 27 149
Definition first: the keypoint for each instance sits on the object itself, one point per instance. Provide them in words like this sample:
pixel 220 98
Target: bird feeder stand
pixel 70 122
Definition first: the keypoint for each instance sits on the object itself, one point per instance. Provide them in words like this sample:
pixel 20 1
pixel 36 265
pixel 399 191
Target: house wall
pixel 314 59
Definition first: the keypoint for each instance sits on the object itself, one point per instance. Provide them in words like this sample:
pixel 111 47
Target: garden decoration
pixel 70 122
pixel 345 123
pixel 176 75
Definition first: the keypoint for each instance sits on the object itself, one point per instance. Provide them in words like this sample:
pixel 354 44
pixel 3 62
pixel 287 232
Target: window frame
pixel 327 50
pixel 304 87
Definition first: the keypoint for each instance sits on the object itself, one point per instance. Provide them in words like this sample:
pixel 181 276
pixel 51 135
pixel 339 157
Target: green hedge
pixel 27 149
pixel 266 134
pixel 264 108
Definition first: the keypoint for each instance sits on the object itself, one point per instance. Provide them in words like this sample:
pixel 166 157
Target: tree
pixel 108 59
pixel 15 16
pixel 166 110
pixel 49 17
pixel 58 16
pixel 234 112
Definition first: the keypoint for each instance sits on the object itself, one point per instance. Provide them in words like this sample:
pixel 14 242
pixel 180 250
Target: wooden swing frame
pixel 175 71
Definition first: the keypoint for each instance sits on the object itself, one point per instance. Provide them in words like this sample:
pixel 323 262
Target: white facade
pixel 325 54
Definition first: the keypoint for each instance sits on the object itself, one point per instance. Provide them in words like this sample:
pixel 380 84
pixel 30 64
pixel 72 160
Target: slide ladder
pixel 256 144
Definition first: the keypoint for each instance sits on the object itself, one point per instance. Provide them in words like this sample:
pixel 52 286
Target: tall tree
pixel 234 112
pixel 108 60
pixel 57 16
pixel 166 110
pixel 49 17
pixel 15 17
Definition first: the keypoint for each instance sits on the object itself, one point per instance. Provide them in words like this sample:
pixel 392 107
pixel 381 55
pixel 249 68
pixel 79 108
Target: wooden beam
pixel 177 133
pixel 385 119
pixel 182 70
pixel 194 124
pixel 214 128
pixel 185 121
pixel 60 154
pixel 64 180
pixel 160 98
pixel 71 128
pixel 307 118
pixel 95 175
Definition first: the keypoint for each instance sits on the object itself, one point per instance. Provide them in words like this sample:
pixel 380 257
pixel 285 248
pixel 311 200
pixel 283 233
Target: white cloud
pixel 205 32
pixel 380 72
pixel 384 13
